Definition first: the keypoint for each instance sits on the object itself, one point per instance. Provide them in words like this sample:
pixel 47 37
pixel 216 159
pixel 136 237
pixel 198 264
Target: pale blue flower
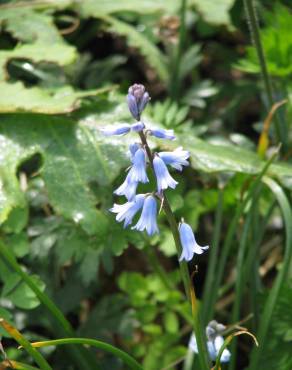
pixel 126 212
pixel 164 180
pixel 137 99
pixel 120 129
pixel 188 242
pixel 138 170
pixel 128 187
pixel 176 159
pixel 162 134
pixel 148 221
pixel 137 127
pixel 213 346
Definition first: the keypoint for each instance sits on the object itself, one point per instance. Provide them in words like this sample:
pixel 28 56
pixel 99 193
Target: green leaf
pixel 214 158
pixel 20 294
pixel 136 39
pixel 30 26
pixel 171 322
pixel 17 97
pixel 214 12
pixel 73 155
pixel 60 54
pixel 276 39
pixel 92 8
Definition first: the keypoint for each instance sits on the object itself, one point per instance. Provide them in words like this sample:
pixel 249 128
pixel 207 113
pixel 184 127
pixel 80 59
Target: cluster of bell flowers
pixel 137 99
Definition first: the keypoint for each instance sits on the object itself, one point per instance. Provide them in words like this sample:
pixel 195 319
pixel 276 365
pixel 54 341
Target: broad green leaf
pixel 58 53
pixel 230 158
pixel 22 296
pixel 150 51
pixel 30 26
pixel 73 155
pixel 17 97
pixel 214 12
pixel 92 8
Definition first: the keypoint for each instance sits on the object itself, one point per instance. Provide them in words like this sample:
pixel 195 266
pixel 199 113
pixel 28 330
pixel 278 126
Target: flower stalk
pixel 188 286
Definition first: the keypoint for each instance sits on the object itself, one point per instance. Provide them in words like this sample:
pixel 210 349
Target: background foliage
pixel 65 67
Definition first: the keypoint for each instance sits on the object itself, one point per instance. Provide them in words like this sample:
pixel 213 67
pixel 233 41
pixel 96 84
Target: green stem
pixel 229 240
pixel 255 32
pixel 188 286
pixel 213 258
pixel 174 83
pixel 270 304
pixel 239 282
pixel 130 361
pixel 22 341
pixel 83 357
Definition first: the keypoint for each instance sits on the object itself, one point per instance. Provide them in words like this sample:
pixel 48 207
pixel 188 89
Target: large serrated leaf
pixel 60 54
pixel 214 12
pixel 231 158
pixel 17 97
pixel 73 157
pixel 29 26
pixel 150 51
pixel 89 8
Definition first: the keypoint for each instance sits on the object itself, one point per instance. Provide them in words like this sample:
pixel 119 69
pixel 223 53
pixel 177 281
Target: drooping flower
pixel 138 171
pixel 147 220
pixel 164 180
pixel 133 149
pixel 126 212
pixel 137 99
pixel 176 159
pixel 120 129
pixel 137 127
pixel 188 242
pixel 128 188
pixel 162 133
pixel 214 343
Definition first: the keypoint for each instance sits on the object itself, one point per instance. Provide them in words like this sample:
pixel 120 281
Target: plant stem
pixel 255 32
pixel 21 340
pixel 188 286
pixel 230 238
pixel 130 361
pixel 175 75
pixel 271 301
pixel 213 258
pixel 81 356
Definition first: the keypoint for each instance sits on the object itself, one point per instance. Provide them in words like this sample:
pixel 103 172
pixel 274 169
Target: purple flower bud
pixel 188 242
pixel 175 159
pixel 148 217
pixel 120 129
pixel 164 180
pixel 126 212
pixel 162 134
pixel 137 99
pixel 138 170
pixel 138 126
